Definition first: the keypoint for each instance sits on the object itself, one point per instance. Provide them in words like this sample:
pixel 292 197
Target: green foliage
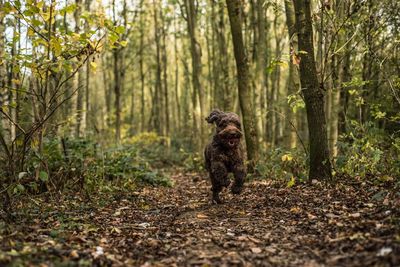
pixel 288 165
pixel 192 161
pixel 296 102
pixel 83 162
pixel 367 151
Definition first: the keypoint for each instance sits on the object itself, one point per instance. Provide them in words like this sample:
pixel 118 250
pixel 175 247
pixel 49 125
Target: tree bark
pixel 261 64
pixel 88 114
pixel 195 50
pixel 158 85
pixel 165 75
pixel 117 92
pixel 81 76
pixel 242 66
pixel 176 84
pixel 227 103
pixel 293 77
pixel 141 68
pixel 320 165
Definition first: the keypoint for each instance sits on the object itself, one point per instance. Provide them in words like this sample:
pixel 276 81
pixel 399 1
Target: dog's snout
pixel 231 131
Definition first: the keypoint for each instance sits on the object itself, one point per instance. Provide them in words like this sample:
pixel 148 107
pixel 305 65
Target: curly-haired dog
pixel 225 154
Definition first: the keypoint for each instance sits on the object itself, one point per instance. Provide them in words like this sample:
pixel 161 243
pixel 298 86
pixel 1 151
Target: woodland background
pixel 101 99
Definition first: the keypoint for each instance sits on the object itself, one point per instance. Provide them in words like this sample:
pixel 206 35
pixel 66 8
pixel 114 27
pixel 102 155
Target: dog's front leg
pixel 219 176
pixel 239 173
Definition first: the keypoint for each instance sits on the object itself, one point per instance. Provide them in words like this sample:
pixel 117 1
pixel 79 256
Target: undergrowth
pixel 365 153
pixel 64 165
pixel 84 165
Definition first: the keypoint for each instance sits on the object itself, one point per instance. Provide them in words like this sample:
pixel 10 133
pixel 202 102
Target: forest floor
pixel 269 224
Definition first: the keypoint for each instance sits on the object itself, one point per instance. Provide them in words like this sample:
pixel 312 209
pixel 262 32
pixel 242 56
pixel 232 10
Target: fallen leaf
pixel 74 254
pixel 295 210
pixel 256 250
pixel 384 251
pixel 201 216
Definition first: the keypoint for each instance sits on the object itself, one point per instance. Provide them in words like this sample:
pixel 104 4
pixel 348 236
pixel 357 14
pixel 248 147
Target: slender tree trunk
pixel 67 108
pixel 195 50
pixel 186 110
pixel 223 60
pixel 158 85
pixel 261 84
pixel 11 86
pixel 345 76
pixel 141 69
pixel 117 92
pixel 88 114
pixel 132 118
pixel 209 45
pixel 81 75
pixel 107 88
pixel 242 66
pixel 293 77
pixel 320 165
pixel 177 101
pixel 165 76
pixel 3 71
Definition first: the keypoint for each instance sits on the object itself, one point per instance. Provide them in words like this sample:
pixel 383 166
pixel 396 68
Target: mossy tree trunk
pixel 320 166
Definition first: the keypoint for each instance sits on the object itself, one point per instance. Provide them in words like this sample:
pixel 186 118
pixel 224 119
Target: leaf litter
pixel 269 224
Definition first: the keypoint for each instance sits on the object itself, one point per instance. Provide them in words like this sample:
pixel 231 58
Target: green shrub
pixel 367 151
pixel 68 162
pixel 279 163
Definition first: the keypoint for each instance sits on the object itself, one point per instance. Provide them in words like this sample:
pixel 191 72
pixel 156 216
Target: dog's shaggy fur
pixel 225 153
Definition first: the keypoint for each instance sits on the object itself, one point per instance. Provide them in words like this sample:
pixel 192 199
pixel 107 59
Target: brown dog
pixel 225 154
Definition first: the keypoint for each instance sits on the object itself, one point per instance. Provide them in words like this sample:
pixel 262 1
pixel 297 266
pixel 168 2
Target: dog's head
pixel 228 128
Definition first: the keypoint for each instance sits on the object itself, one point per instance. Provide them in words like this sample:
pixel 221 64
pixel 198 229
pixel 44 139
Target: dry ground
pixel 268 225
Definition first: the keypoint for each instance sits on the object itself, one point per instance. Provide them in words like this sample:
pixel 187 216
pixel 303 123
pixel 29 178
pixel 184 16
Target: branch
pixel 295 129
pixel 11 120
pixel 4 144
pixel 28 24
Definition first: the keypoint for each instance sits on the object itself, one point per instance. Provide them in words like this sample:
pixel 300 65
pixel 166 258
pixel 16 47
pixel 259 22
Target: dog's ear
pixel 215 116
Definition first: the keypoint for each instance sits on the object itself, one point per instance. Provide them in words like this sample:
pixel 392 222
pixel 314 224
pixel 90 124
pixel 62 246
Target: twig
pixel 4 144
pixel 28 24
pixel 11 120
pixel 295 129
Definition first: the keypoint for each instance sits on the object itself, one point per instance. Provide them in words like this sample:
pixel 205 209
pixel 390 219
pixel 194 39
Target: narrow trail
pixel 267 225
pixel 301 226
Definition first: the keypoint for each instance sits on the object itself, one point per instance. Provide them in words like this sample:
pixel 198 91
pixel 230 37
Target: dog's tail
pixel 214 116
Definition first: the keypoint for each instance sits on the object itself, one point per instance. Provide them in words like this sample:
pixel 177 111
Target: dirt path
pixel 265 226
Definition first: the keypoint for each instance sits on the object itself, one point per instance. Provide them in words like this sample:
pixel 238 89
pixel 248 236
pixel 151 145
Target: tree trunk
pixel 195 50
pixel 345 76
pixel 227 103
pixel 261 64
pixel 293 77
pixel 81 76
pixel 320 165
pixel 141 69
pixel 242 66
pixel 88 116
pixel 165 76
pixel 177 101
pixel 117 92
pixel 158 85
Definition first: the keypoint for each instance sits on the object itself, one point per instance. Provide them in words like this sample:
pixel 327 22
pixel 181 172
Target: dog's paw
pixel 236 190
pixel 216 199
pixel 226 182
